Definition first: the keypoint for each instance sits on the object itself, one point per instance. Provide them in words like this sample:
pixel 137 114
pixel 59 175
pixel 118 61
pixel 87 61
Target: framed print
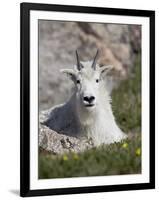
pixel 87 99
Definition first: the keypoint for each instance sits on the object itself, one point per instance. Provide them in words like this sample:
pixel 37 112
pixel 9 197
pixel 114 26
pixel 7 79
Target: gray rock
pixel 58 42
pixel 57 143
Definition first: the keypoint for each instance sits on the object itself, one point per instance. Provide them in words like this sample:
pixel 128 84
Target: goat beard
pixel 86 116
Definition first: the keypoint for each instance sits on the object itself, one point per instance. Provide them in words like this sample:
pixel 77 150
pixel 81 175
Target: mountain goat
pixel 88 112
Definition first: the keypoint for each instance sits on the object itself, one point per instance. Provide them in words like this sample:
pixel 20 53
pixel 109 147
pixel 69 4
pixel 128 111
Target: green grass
pixel 126 102
pixel 119 158
pixel 114 159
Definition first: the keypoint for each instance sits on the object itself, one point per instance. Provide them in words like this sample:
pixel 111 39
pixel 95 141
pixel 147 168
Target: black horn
pixel 79 65
pixel 95 60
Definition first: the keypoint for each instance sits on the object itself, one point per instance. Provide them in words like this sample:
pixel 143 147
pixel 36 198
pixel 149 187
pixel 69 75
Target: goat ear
pixel 70 72
pixel 106 69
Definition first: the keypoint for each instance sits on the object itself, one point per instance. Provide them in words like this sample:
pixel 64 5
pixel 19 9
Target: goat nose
pixel 89 99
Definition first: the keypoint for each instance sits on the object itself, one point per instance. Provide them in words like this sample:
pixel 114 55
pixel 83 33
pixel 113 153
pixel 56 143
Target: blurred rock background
pixel 119 45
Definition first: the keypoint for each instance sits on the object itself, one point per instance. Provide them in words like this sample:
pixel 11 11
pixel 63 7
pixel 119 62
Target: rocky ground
pixel 56 143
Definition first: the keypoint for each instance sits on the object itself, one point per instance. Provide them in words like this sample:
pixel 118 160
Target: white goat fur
pixel 75 119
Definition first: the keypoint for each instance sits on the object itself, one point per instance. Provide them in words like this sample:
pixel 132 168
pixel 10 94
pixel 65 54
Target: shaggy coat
pixel 79 117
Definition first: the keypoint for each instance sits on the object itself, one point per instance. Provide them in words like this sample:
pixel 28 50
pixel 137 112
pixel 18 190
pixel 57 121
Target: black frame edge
pixel 24 102
pixel 90 189
pixel 87 9
pixel 152 99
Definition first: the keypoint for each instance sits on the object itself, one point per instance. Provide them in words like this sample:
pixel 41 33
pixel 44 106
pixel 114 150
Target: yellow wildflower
pixel 75 157
pixel 138 151
pixel 65 158
pixel 125 145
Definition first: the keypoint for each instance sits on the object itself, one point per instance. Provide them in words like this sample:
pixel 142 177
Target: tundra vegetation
pixel 118 158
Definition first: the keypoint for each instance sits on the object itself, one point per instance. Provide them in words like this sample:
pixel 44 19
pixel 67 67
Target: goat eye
pixel 78 81
pixel 97 80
